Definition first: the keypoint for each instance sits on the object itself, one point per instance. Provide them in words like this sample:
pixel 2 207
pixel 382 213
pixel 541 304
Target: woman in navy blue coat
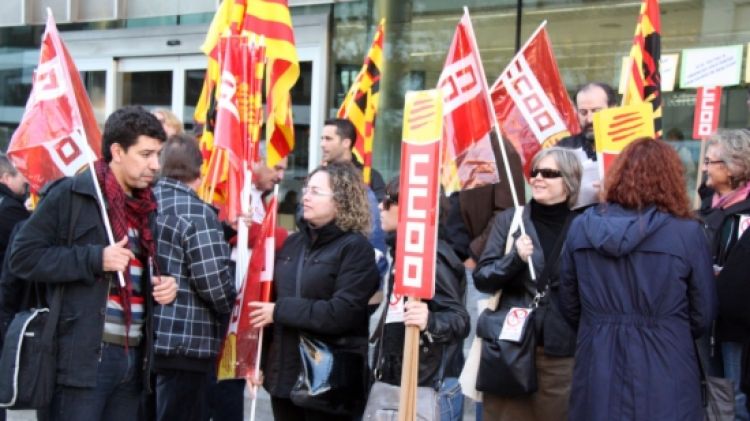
pixel 637 281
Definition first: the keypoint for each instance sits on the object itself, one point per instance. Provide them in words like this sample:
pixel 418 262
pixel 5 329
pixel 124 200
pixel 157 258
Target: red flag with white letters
pixel 468 160
pixel 707 109
pixel 242 343
pixel 58 133
pixel 238 120
pixel 530 100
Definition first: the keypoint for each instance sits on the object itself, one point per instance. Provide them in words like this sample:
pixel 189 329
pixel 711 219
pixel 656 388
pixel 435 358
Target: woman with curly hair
pixel 324 275
pixel 636 280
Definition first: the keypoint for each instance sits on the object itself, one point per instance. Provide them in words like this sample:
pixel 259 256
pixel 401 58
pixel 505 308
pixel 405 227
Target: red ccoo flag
pixel 58 133
pixel 241 346
pixel 468 160
pixel 530 100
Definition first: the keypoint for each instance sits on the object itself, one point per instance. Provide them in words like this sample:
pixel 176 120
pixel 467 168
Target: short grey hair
pixel 734 150
pixel 569 166
pixel 6 167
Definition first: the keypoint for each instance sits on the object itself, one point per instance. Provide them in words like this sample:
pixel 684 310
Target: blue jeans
pixel 731 353
pixel 451 400
pixel 116 396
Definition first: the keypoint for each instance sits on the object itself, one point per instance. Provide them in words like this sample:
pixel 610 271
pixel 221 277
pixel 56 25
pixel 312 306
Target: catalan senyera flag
pixel 643 79
pixel 530 100
pixel 58 133
pixel 615 128
pixel 271 19
pixel 468 160
pixel 240 350
pixel 360 105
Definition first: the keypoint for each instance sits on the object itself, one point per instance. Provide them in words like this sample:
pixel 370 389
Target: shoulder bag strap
pixel 55 306
pixel 702 372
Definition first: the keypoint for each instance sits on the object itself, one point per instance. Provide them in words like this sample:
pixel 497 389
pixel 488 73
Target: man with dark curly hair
pixel 104 333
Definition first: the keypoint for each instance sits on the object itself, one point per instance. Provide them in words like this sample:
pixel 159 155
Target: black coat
pixel 721 227
pixel 40 254
pixel 12 211
pixel 497 270
pixel 447 326
pixel 337 277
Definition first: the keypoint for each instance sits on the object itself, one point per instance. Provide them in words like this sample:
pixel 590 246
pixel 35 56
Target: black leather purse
pixel 506 368
pixel 333 377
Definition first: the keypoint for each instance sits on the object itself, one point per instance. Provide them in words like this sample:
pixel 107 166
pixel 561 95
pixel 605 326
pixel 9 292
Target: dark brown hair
pixel 181 158
pixel 648 172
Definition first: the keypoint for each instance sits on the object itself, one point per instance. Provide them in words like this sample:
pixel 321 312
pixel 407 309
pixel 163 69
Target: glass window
pixel 149 89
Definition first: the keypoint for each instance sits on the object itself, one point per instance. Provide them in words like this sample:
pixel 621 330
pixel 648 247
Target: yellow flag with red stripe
pixel 272 20
pixel 643 78
pixel 360 105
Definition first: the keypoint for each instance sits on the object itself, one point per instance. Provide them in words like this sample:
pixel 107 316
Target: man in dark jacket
pixel 12 209
pixel 336 145
pixel 190 247
pixel 104 332
pixel 589 98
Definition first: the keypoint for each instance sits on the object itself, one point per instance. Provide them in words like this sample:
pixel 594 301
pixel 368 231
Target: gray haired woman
pixel 727 168
pixel 555 179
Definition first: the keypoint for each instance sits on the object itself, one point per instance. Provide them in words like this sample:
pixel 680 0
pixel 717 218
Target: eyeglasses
pixel 316 192
pixel 390 199
pixel 546 173
pixel 707 162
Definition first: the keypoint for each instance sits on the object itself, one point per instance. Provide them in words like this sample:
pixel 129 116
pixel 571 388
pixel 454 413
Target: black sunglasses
pixel 546 173
pixel 390 199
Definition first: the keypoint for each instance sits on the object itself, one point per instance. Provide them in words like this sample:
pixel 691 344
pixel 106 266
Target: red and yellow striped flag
pixel 644 81
pixel 361 102
pixel 271 19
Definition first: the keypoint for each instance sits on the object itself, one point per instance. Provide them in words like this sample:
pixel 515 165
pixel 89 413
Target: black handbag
pixel 28 366
pixel 508 368
pixel 333 378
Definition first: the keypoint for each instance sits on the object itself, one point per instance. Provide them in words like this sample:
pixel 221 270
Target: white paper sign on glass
pixel 716 66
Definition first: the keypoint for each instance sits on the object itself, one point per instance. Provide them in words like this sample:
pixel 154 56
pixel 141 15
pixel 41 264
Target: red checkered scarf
pixel 127 211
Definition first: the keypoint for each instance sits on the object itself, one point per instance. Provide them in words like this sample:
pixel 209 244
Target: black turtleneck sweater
pixel 548 221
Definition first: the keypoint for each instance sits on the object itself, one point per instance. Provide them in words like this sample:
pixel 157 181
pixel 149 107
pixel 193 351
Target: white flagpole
pixel 103 210
pixel 498 136
pixel 260 334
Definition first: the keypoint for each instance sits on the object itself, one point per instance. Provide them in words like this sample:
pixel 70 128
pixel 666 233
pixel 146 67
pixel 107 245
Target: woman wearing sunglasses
pixel 506 265
pixel 442 321
pixel 727 169
pixel 636 278
pixel 323 277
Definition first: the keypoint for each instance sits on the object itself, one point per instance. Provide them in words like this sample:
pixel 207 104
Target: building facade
pixel 147 52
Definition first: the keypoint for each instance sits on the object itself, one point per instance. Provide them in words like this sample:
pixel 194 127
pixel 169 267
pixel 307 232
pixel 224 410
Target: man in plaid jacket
pixel 191 247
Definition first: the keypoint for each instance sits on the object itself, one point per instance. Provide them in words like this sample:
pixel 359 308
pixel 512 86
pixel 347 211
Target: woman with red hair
pixel 637 281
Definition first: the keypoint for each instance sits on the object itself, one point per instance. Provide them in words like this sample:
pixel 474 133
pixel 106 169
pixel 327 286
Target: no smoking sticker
pixel 515 323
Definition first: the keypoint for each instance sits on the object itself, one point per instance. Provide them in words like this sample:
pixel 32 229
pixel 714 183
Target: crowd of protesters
pixel 636 297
